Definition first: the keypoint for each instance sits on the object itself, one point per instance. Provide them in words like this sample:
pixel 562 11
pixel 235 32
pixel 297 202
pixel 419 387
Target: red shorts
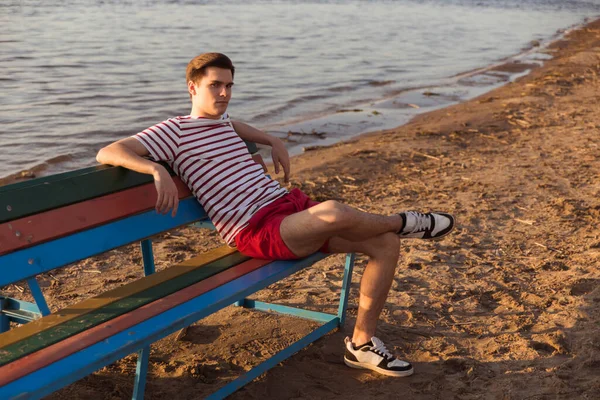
pixel 262 239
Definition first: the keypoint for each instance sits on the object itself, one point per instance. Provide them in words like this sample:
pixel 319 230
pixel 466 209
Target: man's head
pixel 210 78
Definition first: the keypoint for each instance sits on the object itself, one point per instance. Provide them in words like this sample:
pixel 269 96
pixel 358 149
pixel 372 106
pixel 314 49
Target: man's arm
pixel 129 153
pixel 279 153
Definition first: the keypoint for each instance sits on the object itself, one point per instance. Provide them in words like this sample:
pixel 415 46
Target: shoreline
pixel 309 132
pixel 504 308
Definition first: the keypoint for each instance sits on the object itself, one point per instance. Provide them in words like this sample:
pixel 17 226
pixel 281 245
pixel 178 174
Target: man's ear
pixel 191 88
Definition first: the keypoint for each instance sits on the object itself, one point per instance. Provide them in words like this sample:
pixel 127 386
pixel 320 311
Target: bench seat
pixel 54 221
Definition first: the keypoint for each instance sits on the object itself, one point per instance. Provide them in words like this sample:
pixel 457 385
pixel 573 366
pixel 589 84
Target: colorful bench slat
pixel 31 230
pixel 94 317
pixel 222 292
pixel 50 255
pixel 46 194
pixel 106 298
pixel 100 332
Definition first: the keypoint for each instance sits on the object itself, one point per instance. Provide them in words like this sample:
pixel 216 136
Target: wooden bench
pixel 57 220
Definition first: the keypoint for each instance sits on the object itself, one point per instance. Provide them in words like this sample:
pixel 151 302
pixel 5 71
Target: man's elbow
pixel 102 156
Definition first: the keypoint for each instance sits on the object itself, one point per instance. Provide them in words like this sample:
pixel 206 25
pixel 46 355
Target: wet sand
pixel 507 307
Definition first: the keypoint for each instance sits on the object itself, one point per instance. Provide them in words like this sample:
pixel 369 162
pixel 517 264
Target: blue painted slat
pixel 84 362
pixel 287 310
pixel 274 360
pixel 57 253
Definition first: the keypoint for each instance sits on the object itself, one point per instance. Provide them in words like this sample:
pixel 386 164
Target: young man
pixel 260 217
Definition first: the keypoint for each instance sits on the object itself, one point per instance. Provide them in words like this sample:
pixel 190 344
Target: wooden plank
pixel 52 224
pixel 44 257
pixel 94 317
pixel 98 333
pixel 62 192
pixel 46 193
pixel 50 178
pixel 104 299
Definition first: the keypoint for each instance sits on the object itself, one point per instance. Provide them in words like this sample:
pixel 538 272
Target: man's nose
pixel 223 92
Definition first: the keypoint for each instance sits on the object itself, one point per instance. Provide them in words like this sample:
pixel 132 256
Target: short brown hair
pixel 197 67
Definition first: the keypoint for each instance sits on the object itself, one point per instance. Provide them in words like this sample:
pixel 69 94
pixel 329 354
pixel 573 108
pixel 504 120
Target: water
pixel 76 75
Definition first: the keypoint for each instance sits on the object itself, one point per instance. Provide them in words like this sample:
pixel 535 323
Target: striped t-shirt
pixel 214 162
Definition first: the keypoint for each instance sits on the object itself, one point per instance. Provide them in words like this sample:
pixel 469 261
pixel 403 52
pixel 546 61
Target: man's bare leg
pixel 353 231
pixel 306 231
pixel 383 252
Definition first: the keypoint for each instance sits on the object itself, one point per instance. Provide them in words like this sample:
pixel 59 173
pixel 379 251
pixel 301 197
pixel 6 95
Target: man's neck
pixel 199 114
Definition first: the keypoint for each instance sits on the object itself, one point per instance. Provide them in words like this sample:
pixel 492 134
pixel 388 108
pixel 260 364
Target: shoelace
pixel 423 221
pixel 382 350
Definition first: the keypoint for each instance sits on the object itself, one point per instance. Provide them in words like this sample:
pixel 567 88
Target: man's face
pixel 211 94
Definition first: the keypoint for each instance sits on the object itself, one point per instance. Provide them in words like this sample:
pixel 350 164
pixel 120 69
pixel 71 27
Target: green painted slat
pixel 49 178
pixel 42 194
pixel 62 192
pixel 113 310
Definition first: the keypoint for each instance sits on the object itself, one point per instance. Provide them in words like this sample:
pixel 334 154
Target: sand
pixel 507 307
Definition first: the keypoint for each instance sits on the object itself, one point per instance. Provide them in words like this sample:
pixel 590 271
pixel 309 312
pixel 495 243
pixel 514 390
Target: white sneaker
pixel 425 225
pixel 375 356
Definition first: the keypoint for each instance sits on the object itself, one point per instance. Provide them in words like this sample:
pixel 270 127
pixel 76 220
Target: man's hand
pixel 281 158
pixel 129 153
pixel 168 196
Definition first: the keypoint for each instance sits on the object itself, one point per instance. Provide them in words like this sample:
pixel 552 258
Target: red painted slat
pixel 35 229
pixel 34 361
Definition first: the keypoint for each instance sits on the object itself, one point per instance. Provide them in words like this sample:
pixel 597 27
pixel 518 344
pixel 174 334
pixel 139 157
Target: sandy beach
pixel 507 307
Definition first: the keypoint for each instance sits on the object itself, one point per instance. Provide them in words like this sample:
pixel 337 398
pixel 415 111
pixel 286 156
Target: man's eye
pixel 213 85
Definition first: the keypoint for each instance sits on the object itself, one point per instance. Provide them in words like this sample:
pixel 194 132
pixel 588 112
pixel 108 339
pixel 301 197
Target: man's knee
pixel 335 213
pixel 386 245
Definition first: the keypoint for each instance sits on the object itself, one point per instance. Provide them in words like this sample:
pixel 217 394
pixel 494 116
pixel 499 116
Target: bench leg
pixel 141 369
pixel 346 282
pixel 148 256
pixel 4 320
pixel 140 373
pixel 4 323
pixel 38 296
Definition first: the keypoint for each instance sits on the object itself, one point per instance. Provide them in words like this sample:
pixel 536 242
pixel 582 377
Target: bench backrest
pixel 50 222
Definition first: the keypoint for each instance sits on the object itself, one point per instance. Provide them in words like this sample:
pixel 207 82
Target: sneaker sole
pixel 359 365
pixel 444 234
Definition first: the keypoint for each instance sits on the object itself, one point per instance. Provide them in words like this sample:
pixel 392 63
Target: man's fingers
pixel 168 203
pixel 276 164
pixel 175 207
pixel 159 201
pixel 286 171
